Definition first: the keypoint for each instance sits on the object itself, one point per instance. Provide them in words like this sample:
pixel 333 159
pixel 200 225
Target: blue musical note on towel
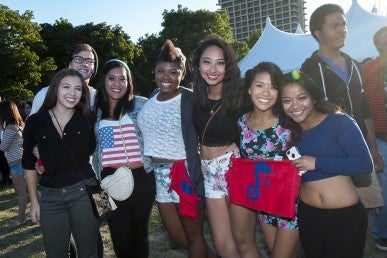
pixel 254 191
pixel 187 189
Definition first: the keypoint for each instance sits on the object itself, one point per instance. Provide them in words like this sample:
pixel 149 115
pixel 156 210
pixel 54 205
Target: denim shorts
pixel 163 183
pixel 17 170
pixel 214 171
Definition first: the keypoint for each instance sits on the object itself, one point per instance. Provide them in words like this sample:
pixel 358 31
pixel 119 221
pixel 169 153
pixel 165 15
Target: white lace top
pixel 160 124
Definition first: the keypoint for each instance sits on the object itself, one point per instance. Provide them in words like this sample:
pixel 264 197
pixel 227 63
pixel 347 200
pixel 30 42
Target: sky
pixel 140 17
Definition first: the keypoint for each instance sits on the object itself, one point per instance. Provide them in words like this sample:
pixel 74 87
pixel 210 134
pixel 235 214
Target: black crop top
pixel 221 131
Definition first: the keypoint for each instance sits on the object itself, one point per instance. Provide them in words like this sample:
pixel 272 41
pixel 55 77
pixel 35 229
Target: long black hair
pixel 102 100
pixel 232 83
pixel 275 75
pixel 321 104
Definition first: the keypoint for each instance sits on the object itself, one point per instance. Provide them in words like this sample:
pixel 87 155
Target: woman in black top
pixel 217 84
pixel 63 130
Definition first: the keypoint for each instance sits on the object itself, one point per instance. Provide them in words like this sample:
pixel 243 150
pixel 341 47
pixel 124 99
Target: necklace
pixel 57 121
pixel 212 109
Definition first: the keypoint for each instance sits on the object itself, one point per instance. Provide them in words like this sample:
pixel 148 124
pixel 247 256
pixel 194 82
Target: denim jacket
pixel 138 104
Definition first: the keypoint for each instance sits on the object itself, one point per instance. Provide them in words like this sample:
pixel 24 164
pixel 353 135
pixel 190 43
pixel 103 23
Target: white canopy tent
pixel 289 50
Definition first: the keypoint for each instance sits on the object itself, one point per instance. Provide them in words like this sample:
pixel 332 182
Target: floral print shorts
pixel 214 170
pixel 277 221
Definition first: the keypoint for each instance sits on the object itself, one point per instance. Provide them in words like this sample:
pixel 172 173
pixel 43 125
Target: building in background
pixel 247 16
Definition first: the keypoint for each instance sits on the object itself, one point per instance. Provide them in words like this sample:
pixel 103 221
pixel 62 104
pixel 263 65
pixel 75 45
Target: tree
pixel 186 28
pixel 150 46
pixel 253 38
pixel 109 42
pixel 20 65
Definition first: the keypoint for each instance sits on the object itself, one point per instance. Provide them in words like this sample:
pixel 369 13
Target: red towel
pixel 264 185
pixel 181 184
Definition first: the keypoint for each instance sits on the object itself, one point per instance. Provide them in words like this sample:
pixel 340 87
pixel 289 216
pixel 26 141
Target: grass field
pixel 26 240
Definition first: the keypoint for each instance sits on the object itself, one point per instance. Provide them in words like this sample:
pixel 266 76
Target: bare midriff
pixel 329 193
pixel 208 153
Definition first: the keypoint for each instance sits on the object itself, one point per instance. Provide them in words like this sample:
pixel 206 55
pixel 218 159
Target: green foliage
pixel 150 46
pixel 20 65
pixel 253 38
pixel 32 53
pixel 240 48
pixel 186 29
pixel 109 42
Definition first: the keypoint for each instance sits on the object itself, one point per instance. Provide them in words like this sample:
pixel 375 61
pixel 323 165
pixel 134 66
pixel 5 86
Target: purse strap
pixel 123 140
pixel 68 148
pixel 211 117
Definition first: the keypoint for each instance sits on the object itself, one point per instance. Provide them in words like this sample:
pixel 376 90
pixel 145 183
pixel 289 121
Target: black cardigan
pixel 350 97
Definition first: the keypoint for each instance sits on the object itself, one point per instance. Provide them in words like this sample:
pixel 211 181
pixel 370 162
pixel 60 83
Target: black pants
pixel 4 169
pixel 332 233
pixel 128 224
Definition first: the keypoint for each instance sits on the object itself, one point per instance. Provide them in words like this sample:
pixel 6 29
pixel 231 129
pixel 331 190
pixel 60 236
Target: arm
pixel 8 137
pixel 31 180
pixel 357 159
pixel 29 158
pixel 371 141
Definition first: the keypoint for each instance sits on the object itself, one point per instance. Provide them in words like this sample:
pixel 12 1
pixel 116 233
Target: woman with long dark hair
pixel 216 104
pixel 63 131
pixel 120 143
pixel 265 133
pixel 332 220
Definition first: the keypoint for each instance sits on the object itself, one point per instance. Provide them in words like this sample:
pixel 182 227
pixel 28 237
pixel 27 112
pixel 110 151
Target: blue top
pixel 339 148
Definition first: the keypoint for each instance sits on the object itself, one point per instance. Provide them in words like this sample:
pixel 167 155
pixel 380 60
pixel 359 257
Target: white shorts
pixel 214 171
pixel 163 183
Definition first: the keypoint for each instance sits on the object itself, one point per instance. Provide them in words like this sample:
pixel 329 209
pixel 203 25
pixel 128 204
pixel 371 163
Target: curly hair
pixel 170 53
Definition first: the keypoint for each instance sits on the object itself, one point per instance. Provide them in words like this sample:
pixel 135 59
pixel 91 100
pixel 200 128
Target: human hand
pixel 35 151
pixel 35 213
pixel 305 163
pixel 39 167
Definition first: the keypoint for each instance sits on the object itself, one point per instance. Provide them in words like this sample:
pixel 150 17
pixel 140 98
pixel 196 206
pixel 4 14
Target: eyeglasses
pixel 81 60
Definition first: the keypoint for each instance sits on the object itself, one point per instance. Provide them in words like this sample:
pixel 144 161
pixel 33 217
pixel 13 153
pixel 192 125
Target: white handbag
pixel 119 185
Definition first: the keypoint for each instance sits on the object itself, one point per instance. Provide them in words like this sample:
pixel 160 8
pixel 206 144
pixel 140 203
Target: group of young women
pixel 195 134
